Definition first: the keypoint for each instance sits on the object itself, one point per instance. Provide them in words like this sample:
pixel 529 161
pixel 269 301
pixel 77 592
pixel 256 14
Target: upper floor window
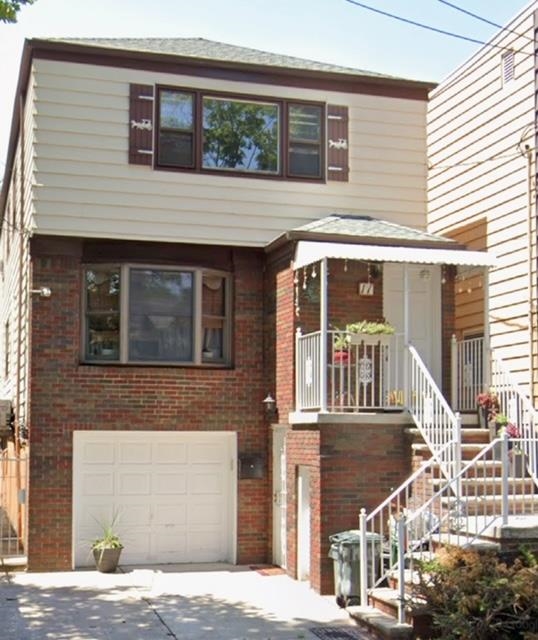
pixel 156 315
pixel 220 133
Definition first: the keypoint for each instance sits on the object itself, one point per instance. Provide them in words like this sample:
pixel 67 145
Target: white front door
pixel 279 496
pixel 171 493
pixel 424 286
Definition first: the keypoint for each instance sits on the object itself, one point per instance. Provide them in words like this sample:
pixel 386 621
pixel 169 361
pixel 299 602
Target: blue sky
pixel 327 30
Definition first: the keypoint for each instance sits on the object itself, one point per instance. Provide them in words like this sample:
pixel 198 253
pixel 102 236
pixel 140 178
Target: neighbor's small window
pixel 157 315
pixel 507 64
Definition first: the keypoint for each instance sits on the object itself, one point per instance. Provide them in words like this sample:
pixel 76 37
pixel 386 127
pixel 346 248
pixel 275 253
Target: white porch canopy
pixel 308 251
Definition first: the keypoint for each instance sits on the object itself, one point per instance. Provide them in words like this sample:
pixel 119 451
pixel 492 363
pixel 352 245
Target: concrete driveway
pixel 169 602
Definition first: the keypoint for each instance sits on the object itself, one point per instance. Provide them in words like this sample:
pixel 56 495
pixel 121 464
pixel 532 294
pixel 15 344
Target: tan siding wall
pixel 15 282
pixel 86 187
pixel 478 174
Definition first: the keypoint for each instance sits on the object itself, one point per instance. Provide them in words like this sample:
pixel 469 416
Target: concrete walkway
pixel 169 602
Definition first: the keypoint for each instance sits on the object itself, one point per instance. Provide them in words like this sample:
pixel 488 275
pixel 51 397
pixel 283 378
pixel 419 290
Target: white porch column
pixel 486 349
pixel 323 325
pixel 406 381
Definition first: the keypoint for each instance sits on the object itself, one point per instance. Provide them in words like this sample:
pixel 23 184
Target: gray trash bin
pixel 345 552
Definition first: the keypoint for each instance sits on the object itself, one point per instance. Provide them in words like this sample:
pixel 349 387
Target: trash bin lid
pixel 353 536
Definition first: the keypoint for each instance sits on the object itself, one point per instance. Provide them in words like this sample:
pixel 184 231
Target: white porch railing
pixel 468 379
pixel 438 424
pixel 427 511
pixel 518 408
pixel 367 374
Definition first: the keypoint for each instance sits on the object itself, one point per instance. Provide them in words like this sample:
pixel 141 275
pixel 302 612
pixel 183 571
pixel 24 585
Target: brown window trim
pixel 283 104
pixel 198 316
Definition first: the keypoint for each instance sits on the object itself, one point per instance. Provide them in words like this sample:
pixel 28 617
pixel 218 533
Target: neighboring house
pixel 482 189
pixel 189 206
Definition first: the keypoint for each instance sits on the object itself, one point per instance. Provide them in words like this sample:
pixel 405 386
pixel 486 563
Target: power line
pixel 425 26
pixel 482 19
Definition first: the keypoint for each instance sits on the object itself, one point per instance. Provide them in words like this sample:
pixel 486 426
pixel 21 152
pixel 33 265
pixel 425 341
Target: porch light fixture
pixel 42 292
pixel 270 406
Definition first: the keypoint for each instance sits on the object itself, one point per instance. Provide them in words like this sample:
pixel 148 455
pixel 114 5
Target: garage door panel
pixel 206 483
pixel 171 493
pixel 172 483
pixel 98 484
pixel 170 453
pixel 170 515
pixel 134 484
pixel 206 514
pixel 135 514
pixel 98 453
pixel 137 453
pixel 203 453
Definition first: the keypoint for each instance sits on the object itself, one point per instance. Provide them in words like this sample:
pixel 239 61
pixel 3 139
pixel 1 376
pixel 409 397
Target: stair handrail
pixel 439 426
pixel 518 408
pixel 446 518
pixel 378 522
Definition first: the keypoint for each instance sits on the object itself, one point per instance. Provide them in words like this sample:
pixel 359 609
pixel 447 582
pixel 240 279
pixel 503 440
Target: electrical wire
pixel 425 26
pixel 482 19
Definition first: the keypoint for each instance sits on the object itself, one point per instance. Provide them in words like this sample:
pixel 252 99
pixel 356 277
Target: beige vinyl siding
pixel 478 173
pixel 15 282
pixel 85 186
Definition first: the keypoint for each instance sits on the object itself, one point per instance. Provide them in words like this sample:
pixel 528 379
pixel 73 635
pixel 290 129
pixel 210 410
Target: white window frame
pixel 198 274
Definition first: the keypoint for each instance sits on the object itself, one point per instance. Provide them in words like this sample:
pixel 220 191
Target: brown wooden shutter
pixel 337 143
pixel 141 124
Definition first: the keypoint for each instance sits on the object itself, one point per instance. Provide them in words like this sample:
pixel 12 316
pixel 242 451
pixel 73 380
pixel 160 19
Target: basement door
pixel 172 494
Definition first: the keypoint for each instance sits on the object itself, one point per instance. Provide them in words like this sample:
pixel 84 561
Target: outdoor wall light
pixel 42 292
pixel 270 407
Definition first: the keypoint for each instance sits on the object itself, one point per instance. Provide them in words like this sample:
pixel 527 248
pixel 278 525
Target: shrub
pixel 472 595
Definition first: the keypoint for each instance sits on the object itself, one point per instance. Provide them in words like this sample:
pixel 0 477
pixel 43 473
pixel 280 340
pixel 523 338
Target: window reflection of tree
pixel 160 315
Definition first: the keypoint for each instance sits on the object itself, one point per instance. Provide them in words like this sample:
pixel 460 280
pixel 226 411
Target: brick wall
pixel 68 396
pixel 351 466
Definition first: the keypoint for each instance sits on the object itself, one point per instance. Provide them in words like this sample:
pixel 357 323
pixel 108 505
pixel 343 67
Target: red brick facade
pixel 352 465
pixel 67 395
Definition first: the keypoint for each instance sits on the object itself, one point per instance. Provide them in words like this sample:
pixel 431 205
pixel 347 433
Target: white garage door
pixel 172 494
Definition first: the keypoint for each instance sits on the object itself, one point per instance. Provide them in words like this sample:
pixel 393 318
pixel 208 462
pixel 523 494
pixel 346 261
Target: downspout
pixel 20 321
pixel 530 284
pixel 323 326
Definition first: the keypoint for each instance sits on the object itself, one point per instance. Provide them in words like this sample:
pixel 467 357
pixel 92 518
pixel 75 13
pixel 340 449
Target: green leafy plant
pixel 371 327
pixel 473 594
pixel 108 539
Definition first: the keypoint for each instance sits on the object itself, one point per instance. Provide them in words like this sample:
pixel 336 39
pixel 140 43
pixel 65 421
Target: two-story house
pixel 482 189
pixel 188 228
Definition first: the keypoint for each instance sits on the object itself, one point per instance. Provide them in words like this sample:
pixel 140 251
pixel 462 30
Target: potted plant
pixel 488 406
pixel 107 549
pixel 370 327
pixel 341 347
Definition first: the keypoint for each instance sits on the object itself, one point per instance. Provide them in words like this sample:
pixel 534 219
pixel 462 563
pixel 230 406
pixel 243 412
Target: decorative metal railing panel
pixel 363 372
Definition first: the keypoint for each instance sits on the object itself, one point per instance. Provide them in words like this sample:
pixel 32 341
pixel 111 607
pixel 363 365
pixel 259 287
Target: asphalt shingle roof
pixel 212 50
pixel 369 227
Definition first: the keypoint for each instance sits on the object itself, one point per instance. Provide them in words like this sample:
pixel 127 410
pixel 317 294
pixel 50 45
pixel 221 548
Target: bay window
pixel 165 315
